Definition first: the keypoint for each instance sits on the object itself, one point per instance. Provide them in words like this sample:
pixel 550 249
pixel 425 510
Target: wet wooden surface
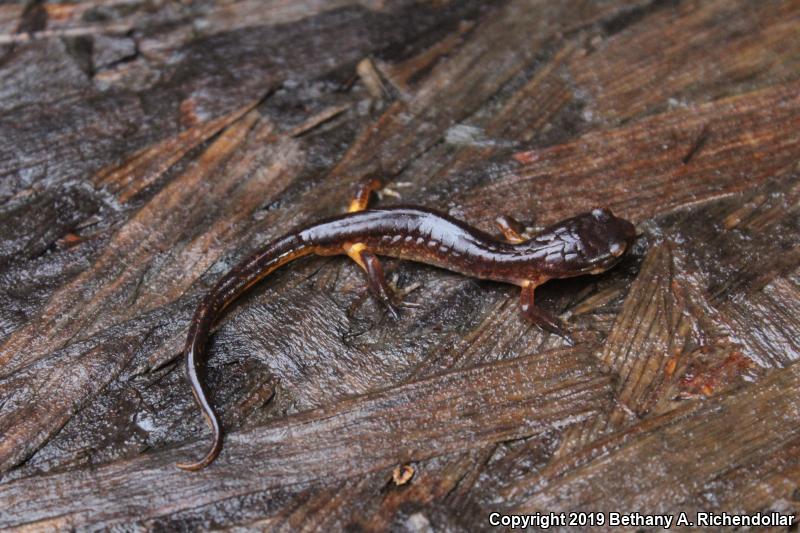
pixel 146 147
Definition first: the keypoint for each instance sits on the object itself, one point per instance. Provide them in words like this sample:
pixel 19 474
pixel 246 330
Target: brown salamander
pixel 589 243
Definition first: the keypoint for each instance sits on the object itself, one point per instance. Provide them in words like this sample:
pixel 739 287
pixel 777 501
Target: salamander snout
pixel 617 248
pixel 619 233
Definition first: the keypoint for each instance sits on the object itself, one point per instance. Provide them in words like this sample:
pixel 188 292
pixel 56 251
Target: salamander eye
pixel 616 249
pixel 600 213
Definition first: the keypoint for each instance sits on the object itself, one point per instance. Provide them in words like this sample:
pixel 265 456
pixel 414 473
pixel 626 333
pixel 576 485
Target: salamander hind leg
pixel 360 199
pixel 511 228
pixel 363 257
pixel 376 280
pixel 539 316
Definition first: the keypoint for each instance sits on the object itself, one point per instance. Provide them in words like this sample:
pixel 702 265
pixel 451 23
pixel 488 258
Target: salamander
pixel 589 243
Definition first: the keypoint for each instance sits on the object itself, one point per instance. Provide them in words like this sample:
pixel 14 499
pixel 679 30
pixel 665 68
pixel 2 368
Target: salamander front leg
pixel 376 281
pixel 511 228
pixel 537 315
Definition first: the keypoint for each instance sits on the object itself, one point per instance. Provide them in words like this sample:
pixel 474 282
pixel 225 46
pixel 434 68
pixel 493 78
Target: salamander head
pixel 589 243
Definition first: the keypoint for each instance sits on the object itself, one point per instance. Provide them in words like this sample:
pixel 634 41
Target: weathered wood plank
pixel 723 441
pixel 698 58
pixel 682 115
pixel 113 292
pixel 508 41
pixel 635 170
pixel 200 80
pixel 455 411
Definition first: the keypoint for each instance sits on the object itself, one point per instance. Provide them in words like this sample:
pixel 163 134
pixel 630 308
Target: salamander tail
pixel 208 413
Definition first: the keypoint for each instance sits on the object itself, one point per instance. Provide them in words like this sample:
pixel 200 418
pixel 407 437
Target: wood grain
pixel 517 398
pixel 147 147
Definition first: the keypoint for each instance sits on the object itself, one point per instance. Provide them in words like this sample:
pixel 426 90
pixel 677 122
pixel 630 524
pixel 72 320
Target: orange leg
pixel 511 228
pixel 376 281
pixel 360 200
pixel 537 315
pixel 363 257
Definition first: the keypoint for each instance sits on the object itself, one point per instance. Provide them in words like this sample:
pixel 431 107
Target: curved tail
pixel 208 413
pixel 227 289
